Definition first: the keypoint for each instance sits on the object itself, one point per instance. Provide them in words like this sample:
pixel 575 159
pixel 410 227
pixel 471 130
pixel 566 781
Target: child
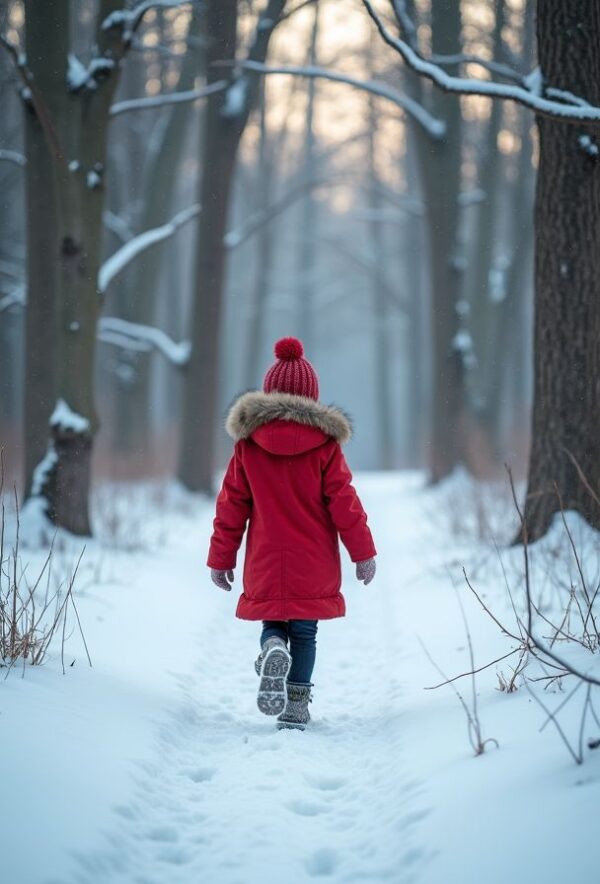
pixel 288 478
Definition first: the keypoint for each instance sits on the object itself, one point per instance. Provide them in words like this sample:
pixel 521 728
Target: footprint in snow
pixel 326 783
pixel 322 862
pixel 305 808
pixel 201 774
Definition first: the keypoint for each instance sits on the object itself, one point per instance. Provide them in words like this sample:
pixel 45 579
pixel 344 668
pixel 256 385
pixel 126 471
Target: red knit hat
pixel 292 373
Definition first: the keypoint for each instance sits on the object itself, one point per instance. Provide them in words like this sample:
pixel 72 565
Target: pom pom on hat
pixel 291 372
pixel 289 349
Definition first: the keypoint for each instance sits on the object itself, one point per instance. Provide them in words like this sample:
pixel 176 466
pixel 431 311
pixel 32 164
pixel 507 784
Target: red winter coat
pixel 289 480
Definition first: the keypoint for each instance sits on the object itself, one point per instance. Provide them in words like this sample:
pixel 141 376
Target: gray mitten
pixel 365 571
pixel 221 578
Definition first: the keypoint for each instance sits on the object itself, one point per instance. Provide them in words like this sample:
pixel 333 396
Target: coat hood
pixel 286 424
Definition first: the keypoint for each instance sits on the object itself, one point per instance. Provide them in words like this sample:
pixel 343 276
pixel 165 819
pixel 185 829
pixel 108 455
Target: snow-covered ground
pixel 155 766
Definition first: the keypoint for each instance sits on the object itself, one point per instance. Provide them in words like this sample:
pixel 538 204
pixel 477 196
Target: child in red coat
pixel 289 481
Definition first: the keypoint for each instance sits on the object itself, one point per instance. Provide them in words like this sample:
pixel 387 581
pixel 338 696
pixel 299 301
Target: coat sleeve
pixel 345 507
pixel 234 505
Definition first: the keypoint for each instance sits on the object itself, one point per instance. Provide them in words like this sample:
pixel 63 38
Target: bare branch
pixel 126 254
pixel 154 101
pixel 435 128
pixel 113 330
pixel 526 94
pixel 12 156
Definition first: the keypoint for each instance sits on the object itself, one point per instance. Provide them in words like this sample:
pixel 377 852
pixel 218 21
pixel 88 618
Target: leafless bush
pixel 33 614
pixel 131 517
pixel 470 707
pixel 566 650
pixel 474 511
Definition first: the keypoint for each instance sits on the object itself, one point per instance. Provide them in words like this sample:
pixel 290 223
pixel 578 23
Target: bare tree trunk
pixel 226 117
pixel 264 253
pixel 440 163
pixel 307 252
pixel 46 45
pixel 483 310
pixel 567 269
pixel 76 128
pixel 382 397
pixel 159 183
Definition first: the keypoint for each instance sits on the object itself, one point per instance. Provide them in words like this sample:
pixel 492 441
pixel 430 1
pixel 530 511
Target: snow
pixel 65 418
pixel 573 107
pixel 123 256
pixel 462 342
pixel 12 156
pixel 133 104
pixel 77 73
pixel 80 76
pixel 134 336
pixel 588 145
pixel 43 469
pixel 161 769
pixel 236 98
pixel 93 180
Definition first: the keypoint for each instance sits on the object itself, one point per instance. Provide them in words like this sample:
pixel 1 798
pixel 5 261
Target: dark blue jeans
pixel 302 636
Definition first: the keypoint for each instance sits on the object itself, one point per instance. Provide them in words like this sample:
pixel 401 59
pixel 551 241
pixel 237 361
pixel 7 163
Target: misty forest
pixel 383 217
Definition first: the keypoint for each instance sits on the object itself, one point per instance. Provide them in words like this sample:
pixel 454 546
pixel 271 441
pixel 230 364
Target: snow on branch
pixel 117 225
pixel 16 298
pixel 527 94
pixel 134 104
pixel 115 265
pixel 130 19
pixel 12 156
pixel 435 128
pixel 132 335
pixel 81 77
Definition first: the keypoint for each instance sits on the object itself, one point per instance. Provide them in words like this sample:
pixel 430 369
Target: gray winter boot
pixel 272 666
pixel 296 715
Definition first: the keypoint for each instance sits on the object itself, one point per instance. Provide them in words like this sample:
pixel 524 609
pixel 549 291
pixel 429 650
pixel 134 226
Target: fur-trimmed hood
pixel 255 409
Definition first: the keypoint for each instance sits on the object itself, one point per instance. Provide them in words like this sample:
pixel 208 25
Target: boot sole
pixel 288 726
pixel 271 690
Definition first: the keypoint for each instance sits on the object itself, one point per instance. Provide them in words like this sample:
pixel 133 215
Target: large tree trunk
pixel 80 122
pixel 567 270
pixel 46 45
pixel 441 181
pixel 381 340
pixel 147 276
pixel 307 232
pixel 226 117
pixel 221 135
pixel 265 245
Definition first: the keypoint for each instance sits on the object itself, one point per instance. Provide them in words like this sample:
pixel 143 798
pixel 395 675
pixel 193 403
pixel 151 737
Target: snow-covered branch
pixel 436 128
pixel 115 265
pixel 132 335
pixel 527 95
pixel 118 226
pixel 12 156
pixel 130 19
pixel 135 104
pixel 16 298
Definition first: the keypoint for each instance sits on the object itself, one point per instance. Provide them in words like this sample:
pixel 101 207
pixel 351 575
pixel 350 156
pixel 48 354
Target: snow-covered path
pixel 155 766
pixel 227 798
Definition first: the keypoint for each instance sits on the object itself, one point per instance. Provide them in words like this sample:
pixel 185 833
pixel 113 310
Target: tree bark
pixel 307 252
pixel 440 165
pixel 567 270
pixel 227 113
pixel 78 155
pixel 46 46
